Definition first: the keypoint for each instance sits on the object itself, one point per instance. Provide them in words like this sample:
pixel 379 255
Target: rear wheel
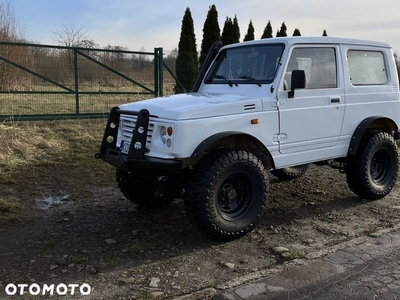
pixel 154 192
pixel 372 173
pixel 228 194
pixel 291 172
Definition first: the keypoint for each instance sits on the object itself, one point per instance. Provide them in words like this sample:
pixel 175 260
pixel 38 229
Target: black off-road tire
pixel 142 191
pixel 372 173
pixel 290 173
pixel 228 194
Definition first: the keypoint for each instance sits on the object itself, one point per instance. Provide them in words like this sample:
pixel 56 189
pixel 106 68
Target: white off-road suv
pixel 268 105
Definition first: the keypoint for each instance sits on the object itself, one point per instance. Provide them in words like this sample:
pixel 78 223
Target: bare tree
pixel 116 58
pixel 9 32
pixel 71 36
pixel 115 55
pixel 170 59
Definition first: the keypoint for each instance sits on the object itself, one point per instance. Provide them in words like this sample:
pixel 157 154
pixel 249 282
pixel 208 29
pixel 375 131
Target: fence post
pixel 156 72
pixel 161 71
pixel 76 81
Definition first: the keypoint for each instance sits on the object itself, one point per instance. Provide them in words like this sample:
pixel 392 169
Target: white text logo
pixel 36 289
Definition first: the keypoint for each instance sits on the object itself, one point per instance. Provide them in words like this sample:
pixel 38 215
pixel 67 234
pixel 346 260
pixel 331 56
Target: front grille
pixel 127 125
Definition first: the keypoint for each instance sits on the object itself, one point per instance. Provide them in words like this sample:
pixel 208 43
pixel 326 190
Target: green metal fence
pixel 48 82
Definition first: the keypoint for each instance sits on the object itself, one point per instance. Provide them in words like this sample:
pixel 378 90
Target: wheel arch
pixel 236 140
pixel 373 122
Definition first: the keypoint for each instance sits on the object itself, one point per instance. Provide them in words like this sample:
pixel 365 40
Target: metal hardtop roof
pixel 315 40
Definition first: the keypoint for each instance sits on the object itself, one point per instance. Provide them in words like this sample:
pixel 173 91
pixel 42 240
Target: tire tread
pixel 357 173
pixel 196 204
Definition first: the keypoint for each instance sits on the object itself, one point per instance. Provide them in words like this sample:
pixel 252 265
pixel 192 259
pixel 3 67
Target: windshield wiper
pixel 250 78
pixel 226 79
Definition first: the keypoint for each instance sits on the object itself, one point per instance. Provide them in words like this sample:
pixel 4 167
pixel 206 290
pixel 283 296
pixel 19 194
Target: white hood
pixel 196 105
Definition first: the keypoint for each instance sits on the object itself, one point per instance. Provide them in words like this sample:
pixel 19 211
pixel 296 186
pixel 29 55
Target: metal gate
pixel 49 82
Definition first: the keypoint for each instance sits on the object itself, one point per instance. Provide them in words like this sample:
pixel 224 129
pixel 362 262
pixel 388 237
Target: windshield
pixel 255 64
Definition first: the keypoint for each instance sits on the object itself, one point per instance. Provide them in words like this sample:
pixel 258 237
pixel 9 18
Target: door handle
pixel 335 100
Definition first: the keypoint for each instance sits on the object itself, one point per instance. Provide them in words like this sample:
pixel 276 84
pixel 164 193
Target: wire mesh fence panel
pixel 169 82
pixel 102 103
pixel 43 81
pixel 15 106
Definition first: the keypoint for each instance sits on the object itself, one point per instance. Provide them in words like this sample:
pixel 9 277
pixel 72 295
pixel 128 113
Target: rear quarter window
pixel 367 67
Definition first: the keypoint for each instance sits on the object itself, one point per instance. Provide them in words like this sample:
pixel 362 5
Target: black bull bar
pixel 135 160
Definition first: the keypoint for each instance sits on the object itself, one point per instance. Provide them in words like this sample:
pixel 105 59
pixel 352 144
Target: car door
pixel 312 119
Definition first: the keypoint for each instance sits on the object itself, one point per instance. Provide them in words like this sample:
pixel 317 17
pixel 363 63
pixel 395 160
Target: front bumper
pixel 135 160
pixel 144 164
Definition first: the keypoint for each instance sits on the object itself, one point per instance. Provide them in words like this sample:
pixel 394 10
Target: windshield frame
pixel 264 68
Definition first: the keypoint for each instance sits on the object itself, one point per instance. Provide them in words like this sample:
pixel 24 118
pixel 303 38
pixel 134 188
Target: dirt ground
pixel 76 227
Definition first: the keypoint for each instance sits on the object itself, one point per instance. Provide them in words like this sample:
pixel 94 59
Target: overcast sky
pixel 157 23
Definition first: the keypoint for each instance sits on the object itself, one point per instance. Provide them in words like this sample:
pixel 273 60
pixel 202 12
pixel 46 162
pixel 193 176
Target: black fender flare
pixel 358 133
pixel 204 145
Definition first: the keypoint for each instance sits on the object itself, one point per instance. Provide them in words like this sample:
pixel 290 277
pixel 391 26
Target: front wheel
pixel 228 194
pixel 372 173
pixel 155 192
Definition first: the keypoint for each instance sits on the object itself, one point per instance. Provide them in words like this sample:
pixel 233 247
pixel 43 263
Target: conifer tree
pixel 211 33
pixel 267 31
pixel 228 34
pixel 236 30
pixel 397 60
pixel 186 63
pixel 296 32
pixel 250 33
pixel 282 31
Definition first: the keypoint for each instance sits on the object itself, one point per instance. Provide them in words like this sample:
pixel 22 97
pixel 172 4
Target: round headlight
pixel 163 134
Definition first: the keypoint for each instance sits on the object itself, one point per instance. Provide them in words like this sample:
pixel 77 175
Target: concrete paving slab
pixel 368 270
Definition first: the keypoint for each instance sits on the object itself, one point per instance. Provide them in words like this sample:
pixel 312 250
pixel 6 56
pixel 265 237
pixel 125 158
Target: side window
pixel 367 67
pixel 319 64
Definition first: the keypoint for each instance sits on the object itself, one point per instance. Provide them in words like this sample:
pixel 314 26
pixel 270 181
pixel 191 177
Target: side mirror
pixel 298 81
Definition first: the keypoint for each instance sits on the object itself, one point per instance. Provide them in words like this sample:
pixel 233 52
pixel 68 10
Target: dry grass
pixel 9 206
pixel 42 158
pixel 28 145
pixel 37 141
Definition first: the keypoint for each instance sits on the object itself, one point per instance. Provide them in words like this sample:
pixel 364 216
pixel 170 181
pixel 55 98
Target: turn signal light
pixel 170 131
